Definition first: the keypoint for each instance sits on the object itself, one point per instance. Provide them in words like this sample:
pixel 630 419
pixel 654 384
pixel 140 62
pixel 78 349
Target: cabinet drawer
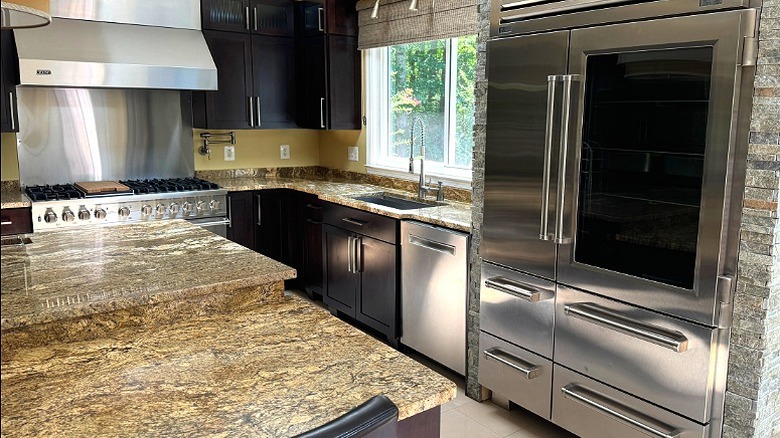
pixel 362 222
pixel 16 221
pixel 590 409
pixel 660 359
pixel 518 308
pixel 312 206
pixel 516 374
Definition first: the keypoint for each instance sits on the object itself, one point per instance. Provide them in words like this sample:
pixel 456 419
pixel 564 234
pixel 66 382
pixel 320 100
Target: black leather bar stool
pixel 376 418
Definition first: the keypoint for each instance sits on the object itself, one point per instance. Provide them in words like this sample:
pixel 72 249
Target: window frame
pixel 378 160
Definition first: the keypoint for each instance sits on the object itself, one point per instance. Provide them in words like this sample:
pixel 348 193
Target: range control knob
pixel 68 215
pixel 200 205
pixel 84 214
pixel 100 213
pixel 124 211
pixel 174 207
pixel 215 205
pixel 146 210
pixel 50 217
pixel 160 209
pixel 186 208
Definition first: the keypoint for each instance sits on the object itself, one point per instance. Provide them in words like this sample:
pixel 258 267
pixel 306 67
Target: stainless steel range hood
pixel 118 44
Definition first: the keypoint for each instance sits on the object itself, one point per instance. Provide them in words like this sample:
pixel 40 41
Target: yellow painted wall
pixel 333 150
pixel 9 162
pixel 260 148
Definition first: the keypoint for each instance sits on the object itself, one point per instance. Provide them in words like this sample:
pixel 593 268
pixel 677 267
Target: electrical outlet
pixel 230 153
pixel 284 152
pixel 352 153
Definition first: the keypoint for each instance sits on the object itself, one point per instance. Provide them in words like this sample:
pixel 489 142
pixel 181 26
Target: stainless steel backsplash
pixel 68 135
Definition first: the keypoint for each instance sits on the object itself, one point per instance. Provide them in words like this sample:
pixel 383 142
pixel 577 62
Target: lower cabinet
pixel 361 271
pixel 242 224
pixel 270 221
pixel 16 221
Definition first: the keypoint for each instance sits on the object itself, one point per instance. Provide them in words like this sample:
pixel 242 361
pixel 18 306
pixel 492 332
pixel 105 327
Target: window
pixel 428 84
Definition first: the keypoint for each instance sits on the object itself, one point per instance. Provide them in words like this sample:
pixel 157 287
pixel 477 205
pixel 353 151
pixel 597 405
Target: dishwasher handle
pixel 431 244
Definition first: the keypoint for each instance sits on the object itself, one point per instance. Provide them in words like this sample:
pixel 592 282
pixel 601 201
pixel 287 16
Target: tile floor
pixel 467 418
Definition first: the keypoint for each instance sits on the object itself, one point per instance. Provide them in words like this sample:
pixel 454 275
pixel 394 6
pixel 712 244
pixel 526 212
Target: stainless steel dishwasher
pixel 434 283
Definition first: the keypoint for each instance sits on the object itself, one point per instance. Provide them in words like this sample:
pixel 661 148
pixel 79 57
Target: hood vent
pixel 114 53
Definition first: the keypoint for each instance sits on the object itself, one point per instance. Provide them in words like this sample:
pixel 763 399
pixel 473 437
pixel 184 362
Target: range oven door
pixel 648 140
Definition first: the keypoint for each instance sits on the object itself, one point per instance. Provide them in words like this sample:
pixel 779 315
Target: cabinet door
pixel 312 252
pixel 9 77
pixel 311 76
pixel 230 15
pixel 343 109
pixel 340 282
pixel 342 17
pixel 273 60
pixel 272 17
pixel 377 264
pixel 311 17
pixel 268 232
pixel 242 224
pixel 229 108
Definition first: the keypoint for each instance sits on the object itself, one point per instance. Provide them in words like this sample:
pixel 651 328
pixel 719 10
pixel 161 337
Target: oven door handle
pixel 210 222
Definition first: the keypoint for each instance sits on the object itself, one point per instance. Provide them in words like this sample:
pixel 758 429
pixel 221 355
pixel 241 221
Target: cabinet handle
pixel 11 108
pixel 229 212
pixel 350 255
pixel 514 288
pixel 671 339
pixel 312 221
pixel 353 221
pixel 548 136
pixel 6 222
pixel 358 254
pixel 314 207
pixel 247 17
pixel 255 17
pixel 259 211
pixel 251 111
pixel 322 112
pixel 623 414
pixel 320 19
pixel 529 370
pixel 259 121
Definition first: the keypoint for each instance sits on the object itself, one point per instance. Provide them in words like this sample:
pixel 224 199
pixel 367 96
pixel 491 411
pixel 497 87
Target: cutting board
pixel 101 187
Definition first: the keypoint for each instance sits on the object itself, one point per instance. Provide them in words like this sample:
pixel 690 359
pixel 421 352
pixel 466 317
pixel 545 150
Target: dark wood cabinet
pixel 273 17
pixel 361 270
pixel 242 219
pixel 9 78
pixel 312 245
pixel 16 221
pixel 228 15
pixel 273 65
pixel 332 17
pixel 269 228
pixel 265 17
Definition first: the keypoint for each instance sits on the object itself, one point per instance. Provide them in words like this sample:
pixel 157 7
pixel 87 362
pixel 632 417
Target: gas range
pixel 68 205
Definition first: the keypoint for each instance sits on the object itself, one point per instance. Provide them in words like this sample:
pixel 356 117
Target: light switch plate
pixel 230 153
pixel 284 152
pixel 352 153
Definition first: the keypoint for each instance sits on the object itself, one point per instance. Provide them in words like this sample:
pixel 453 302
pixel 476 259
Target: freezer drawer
pixel 516 374
pixel 663 360
pixel 589 409
pixel 518 308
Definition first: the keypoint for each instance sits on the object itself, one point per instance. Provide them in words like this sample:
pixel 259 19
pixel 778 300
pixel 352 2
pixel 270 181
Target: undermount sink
pixel 396 201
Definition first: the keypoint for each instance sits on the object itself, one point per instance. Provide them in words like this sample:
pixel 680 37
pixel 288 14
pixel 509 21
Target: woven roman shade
pixel 396 24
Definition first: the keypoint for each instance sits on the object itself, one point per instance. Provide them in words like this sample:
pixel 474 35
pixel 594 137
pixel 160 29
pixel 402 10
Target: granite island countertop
pixel 454 215
pixel 276 371
pixel 11 195
pixel 71 273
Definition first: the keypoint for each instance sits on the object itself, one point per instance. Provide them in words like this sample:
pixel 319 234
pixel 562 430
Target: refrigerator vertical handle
pixel 568 80
pixel 548 137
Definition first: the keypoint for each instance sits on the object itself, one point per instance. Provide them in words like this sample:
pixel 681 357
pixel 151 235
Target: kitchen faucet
pixel 422 189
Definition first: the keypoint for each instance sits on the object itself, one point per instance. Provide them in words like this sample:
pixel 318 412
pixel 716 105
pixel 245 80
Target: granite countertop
pixel 454 215
pixel 76 272
pixel 276 371
pixel 11 195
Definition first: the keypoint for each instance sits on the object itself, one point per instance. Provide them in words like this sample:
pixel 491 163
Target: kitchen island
pixel 142 356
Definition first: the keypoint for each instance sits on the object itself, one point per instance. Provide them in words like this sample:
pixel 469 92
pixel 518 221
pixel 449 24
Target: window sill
pixel 391 172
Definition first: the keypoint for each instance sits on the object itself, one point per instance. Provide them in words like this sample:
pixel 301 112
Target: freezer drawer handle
pixel 623 414
pixel 530 371
pixel 671 339
pixel 431 244
pixel 514 288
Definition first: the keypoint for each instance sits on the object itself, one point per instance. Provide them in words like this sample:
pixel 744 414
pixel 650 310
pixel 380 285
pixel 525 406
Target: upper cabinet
pixel 265 17
pixel 9 78
pixel 332 17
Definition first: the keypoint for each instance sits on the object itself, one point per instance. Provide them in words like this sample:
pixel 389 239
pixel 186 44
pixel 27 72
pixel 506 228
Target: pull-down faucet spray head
pixel 422 142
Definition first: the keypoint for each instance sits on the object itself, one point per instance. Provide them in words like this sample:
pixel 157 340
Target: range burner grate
pixel 168 185
pixel 56 192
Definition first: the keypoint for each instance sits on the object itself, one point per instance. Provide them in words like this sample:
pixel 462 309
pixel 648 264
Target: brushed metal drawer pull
pixel 431 244
pixel 315 222
pixel 530 371
pixel 353 221
pixel 314 207
pixel 628 416
pixel 350 254
pixel 671 339
pixel 7 222
pixel 514 288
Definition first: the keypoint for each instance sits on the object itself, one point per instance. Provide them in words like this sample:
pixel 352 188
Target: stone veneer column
pixel 753 393
pixel 473 389
pixel 753 388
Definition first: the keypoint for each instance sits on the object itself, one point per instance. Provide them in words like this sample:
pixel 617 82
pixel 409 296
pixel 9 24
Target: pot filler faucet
pixel 422 188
